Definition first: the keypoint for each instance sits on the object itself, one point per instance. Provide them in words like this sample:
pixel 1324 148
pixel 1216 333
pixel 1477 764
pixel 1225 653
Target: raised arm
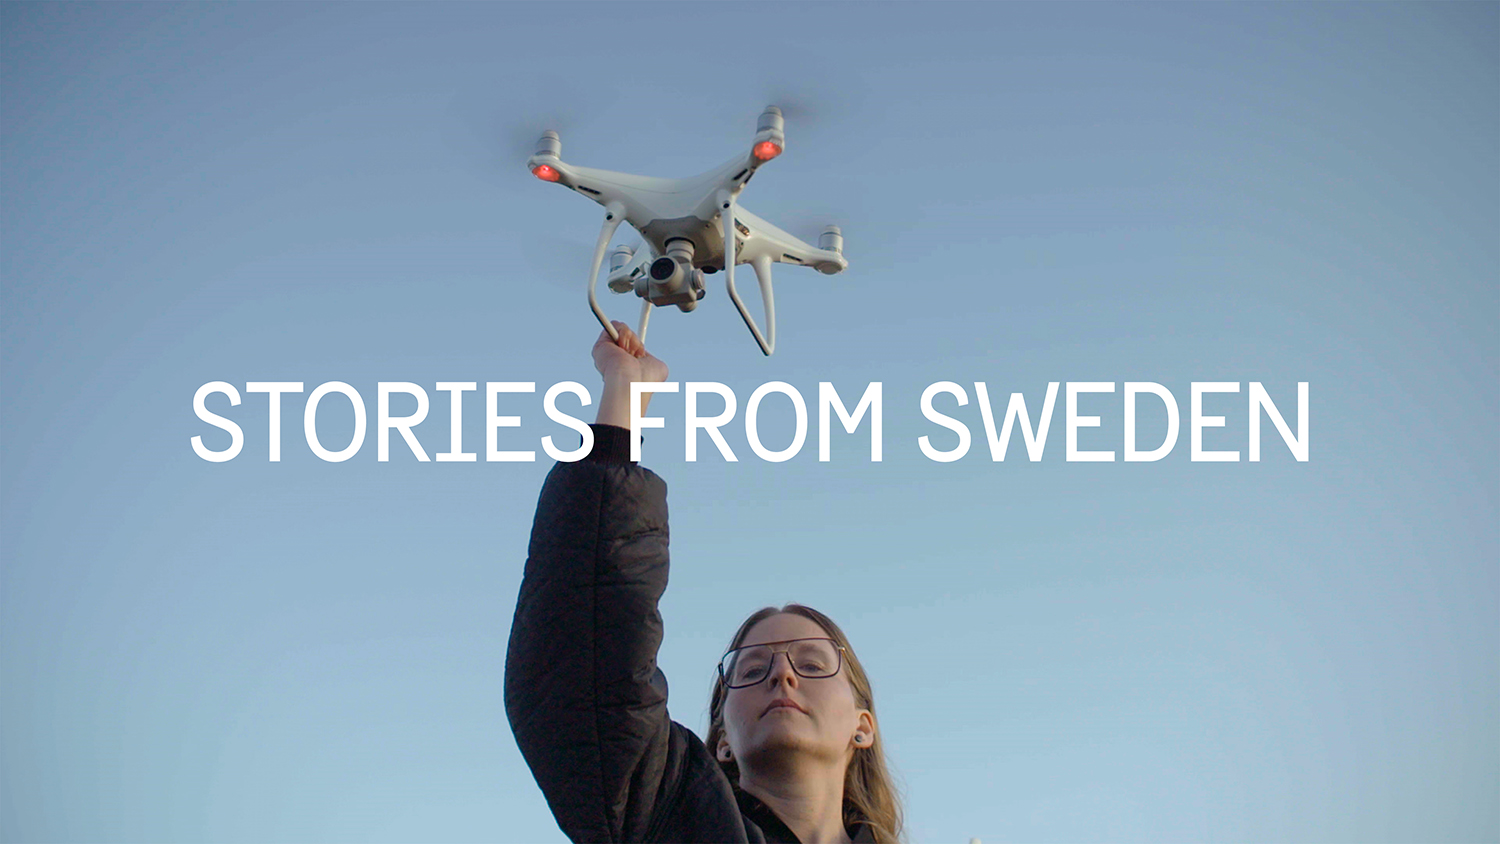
pixel 582 691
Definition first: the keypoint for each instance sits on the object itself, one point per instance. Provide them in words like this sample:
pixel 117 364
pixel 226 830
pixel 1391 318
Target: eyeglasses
pixel 809 658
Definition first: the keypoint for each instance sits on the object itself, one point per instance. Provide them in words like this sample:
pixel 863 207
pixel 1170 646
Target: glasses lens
pixel 811 658
pixel 814 658
pixel 744 666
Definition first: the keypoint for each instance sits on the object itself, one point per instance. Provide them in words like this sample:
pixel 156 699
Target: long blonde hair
pixel 869 793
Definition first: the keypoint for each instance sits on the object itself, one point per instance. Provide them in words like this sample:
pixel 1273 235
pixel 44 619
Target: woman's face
pixel 787 713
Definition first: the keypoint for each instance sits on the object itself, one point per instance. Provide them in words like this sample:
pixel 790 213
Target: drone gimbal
pixel 692 227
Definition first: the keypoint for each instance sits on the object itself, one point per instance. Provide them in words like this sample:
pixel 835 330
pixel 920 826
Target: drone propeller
pixel 796 108
pixel 808 225
pixel 807 112
pixel 486 129
pixel 557 259
pixel 490 142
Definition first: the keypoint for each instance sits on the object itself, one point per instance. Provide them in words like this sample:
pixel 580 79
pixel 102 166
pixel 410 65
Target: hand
pixel 626 359
pixel 623 362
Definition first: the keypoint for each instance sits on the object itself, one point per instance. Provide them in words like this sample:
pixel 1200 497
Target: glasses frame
pixel 839 649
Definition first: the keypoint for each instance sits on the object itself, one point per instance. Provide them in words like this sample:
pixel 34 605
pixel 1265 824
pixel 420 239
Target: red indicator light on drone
pixel 547 173
pixel 766 150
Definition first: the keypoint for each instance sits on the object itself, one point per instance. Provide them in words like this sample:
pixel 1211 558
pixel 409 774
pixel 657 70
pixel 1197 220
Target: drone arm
pixel 762 266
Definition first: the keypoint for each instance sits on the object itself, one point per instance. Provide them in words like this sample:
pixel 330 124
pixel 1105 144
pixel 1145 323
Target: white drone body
pixel 691 227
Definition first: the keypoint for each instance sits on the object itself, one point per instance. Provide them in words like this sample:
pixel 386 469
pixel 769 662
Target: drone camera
pixel 664 271
pixel 671 278
pixel 691 296
pixel 673 271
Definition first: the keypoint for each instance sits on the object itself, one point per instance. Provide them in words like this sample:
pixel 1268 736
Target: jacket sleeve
pixel 585 699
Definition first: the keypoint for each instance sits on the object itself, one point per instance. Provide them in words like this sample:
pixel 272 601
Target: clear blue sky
pixel 1167 651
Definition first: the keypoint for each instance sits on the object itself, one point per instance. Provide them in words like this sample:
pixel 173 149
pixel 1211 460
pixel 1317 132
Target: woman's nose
pixel 785 674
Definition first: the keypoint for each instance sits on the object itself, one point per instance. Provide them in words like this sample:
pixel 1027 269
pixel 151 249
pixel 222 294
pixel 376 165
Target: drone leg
pixel 762 267
pixel 612 218
pixel 762 273
pixel 645 319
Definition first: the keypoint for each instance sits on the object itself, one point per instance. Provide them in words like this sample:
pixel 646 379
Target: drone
pixel 689 228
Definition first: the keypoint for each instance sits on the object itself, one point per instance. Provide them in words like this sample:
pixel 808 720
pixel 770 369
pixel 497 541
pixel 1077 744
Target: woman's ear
pixel 864 729
pixel 723 752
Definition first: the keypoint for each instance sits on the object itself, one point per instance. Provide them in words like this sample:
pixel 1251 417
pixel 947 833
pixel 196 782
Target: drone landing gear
pixel 646 307
pixel 762 265
pixel 614 214
pixel 671 279
pixel 676 282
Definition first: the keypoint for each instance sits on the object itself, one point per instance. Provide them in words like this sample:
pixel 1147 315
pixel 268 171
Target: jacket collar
pixel 776 830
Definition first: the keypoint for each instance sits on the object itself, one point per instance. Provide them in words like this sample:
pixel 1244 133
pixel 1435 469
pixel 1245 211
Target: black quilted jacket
pixel 582 690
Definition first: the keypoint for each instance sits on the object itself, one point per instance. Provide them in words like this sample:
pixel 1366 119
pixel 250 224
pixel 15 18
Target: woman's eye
pixel 810 665
pixel 753 672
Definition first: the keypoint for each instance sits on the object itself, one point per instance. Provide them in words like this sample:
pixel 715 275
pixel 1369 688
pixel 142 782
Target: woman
pixel 795 752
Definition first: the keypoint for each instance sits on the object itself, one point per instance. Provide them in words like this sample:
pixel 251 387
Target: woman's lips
pixel 783 703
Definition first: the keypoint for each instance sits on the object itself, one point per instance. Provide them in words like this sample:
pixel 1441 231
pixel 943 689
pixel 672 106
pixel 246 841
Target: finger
pixel 627 337
pixel 632 342
pixel 615 332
